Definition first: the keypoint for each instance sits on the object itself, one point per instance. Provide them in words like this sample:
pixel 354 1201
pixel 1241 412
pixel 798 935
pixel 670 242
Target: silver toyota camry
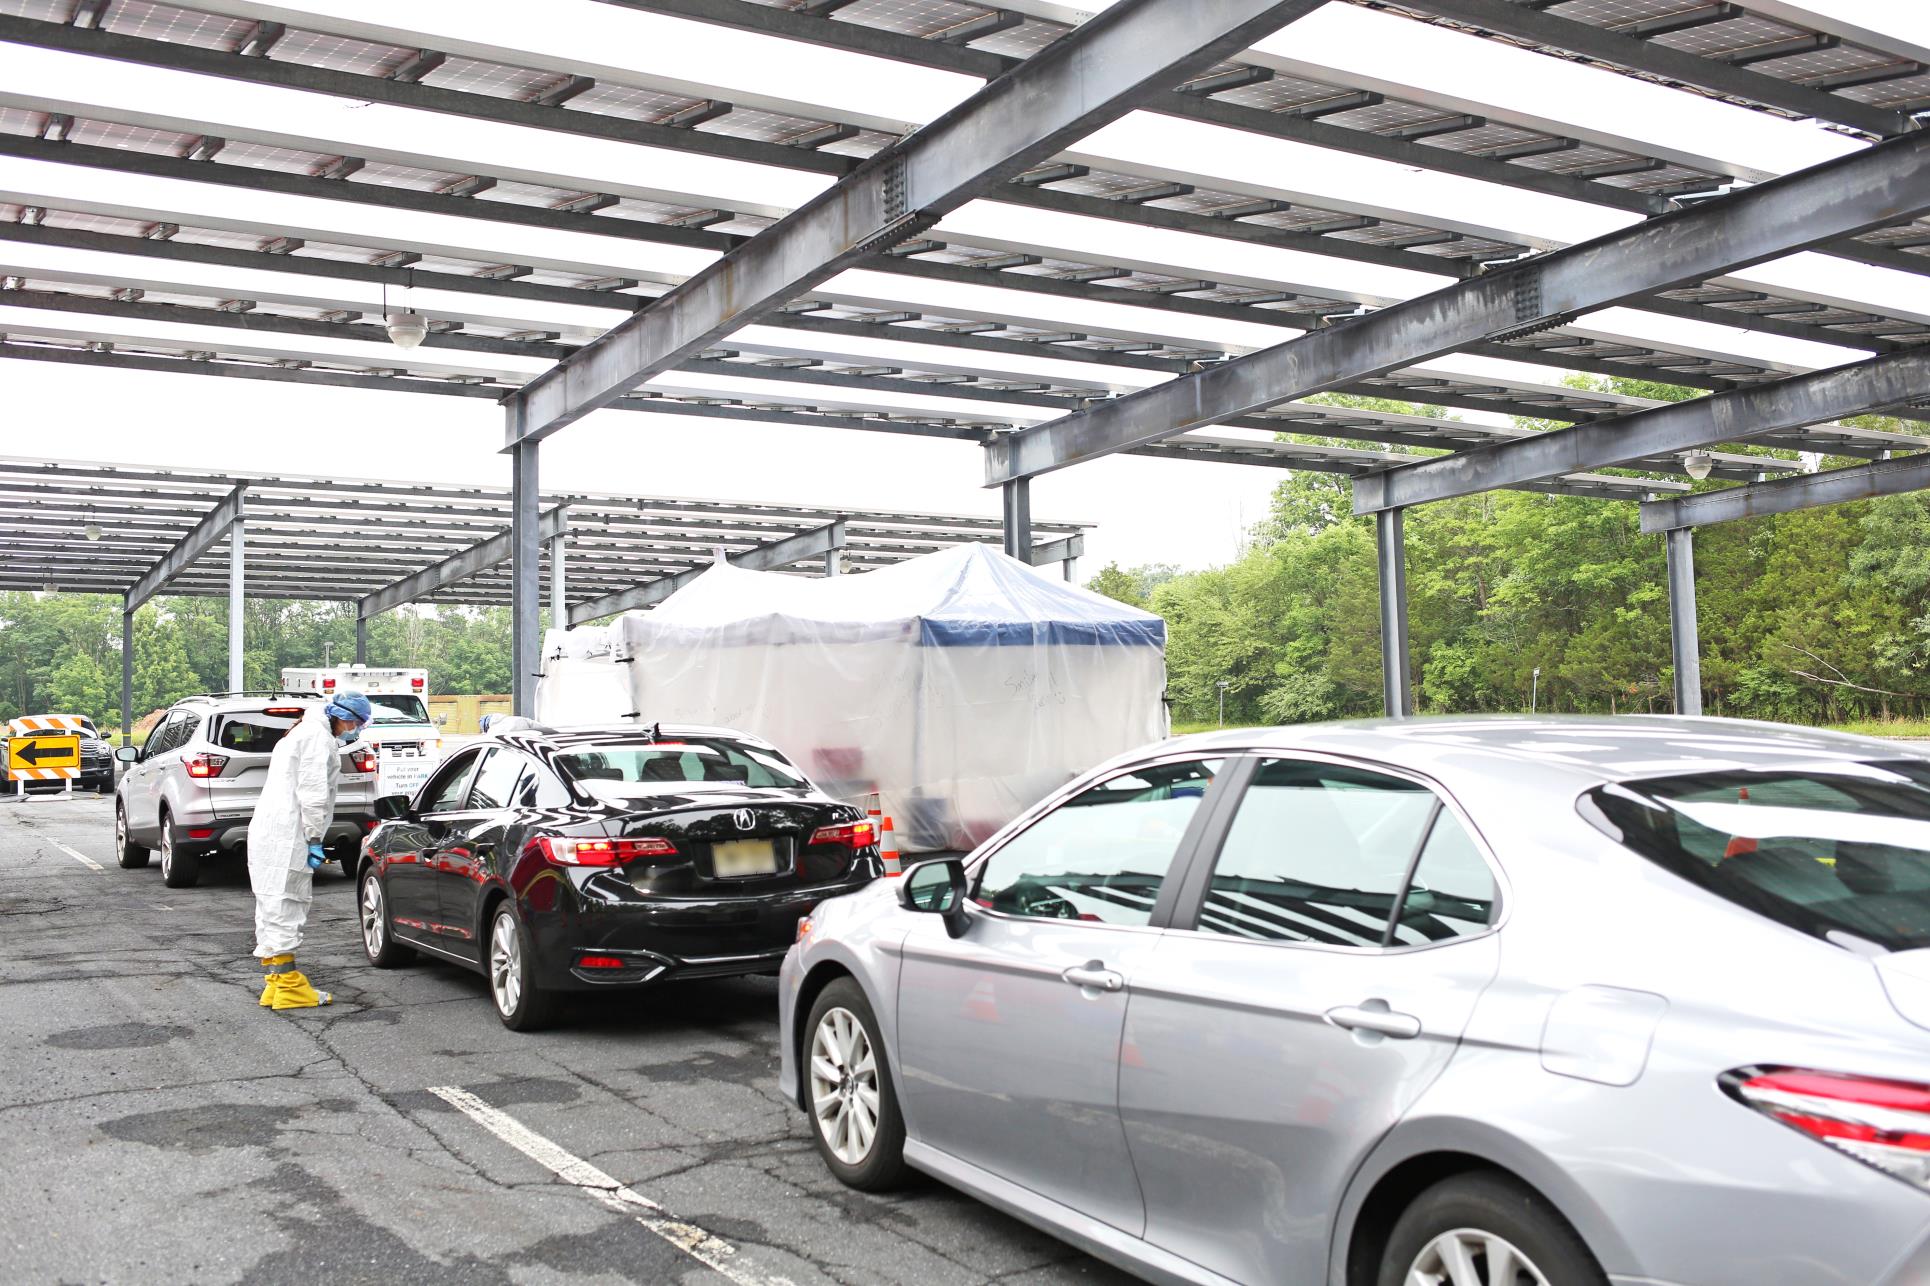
pixel 1449 1002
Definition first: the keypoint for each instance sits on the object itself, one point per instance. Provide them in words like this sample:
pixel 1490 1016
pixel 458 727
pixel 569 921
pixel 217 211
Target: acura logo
pixel 744 819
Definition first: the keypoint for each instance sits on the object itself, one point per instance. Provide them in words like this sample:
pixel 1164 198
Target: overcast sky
pixel 1147 510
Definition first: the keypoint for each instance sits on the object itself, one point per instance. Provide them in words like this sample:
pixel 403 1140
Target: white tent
pixel 960 686
pixel 581 681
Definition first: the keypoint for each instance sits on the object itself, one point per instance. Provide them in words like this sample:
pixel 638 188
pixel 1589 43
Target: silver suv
pixel 191 788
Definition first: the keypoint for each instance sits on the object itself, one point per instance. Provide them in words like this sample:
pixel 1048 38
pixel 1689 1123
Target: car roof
pixel 1565 750
pixel 531 736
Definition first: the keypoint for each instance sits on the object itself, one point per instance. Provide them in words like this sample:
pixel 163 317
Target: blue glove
pixel 316 857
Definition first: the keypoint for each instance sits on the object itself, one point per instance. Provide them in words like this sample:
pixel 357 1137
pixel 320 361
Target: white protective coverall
pixel 297 801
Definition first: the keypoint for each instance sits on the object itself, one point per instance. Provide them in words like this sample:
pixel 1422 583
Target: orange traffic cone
pixel 889 851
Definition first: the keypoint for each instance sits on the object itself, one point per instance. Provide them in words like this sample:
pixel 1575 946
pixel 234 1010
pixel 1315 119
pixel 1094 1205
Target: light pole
pixel 1223 685
pixel 327 654
pixel 1534 690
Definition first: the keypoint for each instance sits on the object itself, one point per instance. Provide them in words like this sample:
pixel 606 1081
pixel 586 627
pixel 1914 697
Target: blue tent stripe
pixel 1121 633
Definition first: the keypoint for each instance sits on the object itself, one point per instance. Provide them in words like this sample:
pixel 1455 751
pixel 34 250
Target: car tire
pixel 842 1037
pixel 180 866
pixel 510 967
pixel 1476 1214
pixel 132 856
pixel 378 930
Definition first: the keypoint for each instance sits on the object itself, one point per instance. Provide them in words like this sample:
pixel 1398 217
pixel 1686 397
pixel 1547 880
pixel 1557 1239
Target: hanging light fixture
pixel 407 327
pixel 93 528
pixel 1698 464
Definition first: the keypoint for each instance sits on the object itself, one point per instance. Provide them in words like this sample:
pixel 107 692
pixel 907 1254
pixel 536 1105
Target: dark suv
pixel 191 788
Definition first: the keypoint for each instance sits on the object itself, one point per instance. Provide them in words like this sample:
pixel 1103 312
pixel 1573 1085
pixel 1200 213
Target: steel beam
pixel 361 640
pixel 206 534
pixel 1066 550
pixel 760 558
pixel 1684 645
pixel 1661 431
pixel 1058 95
pixel 559 584
pixel 1507 18
pixel 127 673
pixel 237 603
pixel 1018 518
pixel 1787 495
pixel 1390 549
pixel 525 602
pixel 1883 184
pixel 459 566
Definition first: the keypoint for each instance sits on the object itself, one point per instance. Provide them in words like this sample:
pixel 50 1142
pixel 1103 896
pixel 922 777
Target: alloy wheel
pixel 374 922
pixel 1472 1257
pixel 167 850
pixel 844 1085
pixel 505 964
pixel 120 830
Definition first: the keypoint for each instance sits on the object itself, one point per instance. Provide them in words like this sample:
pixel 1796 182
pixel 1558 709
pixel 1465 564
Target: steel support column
pixel 1683 643
pixel 1018 519
pixel 559 585
pixel 127 674
pixel 830 562
pixel 237 603
pixel 361 640
pixel 1390 543
pixel 525 599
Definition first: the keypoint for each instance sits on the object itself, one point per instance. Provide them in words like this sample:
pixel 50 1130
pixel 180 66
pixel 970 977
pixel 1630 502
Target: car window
pixel 184 732
pixel 1452 893
pixel 539 788
pixel 1103 854
pixel 1316 853
pixel 444 791
pixel 386 708
pixel 1835 849
pixel 255 732
pixel 157 737
pixel 630 769
pixel 495 784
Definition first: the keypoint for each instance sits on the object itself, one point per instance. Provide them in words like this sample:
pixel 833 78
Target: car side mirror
pixel 127 754
pixel 392 808
pixel 937 887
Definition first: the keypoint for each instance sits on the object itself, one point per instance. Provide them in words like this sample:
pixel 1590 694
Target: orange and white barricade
pixel 43 747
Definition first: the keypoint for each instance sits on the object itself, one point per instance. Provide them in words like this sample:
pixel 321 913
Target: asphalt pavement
pixel 157 1125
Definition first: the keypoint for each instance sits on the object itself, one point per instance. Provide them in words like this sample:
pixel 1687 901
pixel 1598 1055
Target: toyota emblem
pixel 744 819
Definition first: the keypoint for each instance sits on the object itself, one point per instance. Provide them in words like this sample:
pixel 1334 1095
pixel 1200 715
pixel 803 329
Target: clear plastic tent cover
pixel 960 687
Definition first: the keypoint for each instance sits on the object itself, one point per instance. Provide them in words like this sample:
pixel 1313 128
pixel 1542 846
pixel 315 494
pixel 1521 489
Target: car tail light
pixel 600 852
pixel 294 712
pixel 204 765
pixel 600 962
pixel 362 759
pixel 849 834
pixel 1884 1123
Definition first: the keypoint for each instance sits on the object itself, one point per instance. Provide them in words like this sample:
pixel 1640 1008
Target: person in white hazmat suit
pixel 285 841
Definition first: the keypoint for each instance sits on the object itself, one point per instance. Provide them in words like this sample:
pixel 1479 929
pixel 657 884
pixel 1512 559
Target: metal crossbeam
pixel 1787 495
pixel 457 567
pixel 205 536
pixel 1881 185
pixel 760 558
pixel 1063 550
pixel 1728 78
pixel 1016 121
pixel 1743 413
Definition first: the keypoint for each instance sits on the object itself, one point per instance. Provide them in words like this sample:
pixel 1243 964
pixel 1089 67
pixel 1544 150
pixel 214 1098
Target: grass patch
pixel 1885 727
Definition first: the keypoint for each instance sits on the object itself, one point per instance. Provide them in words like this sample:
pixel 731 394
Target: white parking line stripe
pixel 710 1251
pixel 78 856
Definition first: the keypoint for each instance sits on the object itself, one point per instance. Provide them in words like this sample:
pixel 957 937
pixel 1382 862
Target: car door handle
pixel 1381 1020
pixel 1094 974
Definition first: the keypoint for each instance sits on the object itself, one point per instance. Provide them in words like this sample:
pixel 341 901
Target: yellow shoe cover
pixel 271 981
pixel 297 992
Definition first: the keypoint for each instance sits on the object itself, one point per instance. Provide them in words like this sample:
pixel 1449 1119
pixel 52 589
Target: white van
pixel 407 745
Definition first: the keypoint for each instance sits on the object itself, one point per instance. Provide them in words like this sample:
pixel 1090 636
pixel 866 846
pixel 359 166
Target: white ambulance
pixel 407 745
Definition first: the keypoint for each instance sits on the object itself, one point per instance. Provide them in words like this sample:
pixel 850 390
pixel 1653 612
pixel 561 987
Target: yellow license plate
pixel 741 857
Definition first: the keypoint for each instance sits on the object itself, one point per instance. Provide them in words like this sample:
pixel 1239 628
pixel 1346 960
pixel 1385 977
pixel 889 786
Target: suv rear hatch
pixel 234 766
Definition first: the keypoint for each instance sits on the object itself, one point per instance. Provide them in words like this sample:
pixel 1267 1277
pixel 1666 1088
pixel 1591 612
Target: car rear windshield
pixel 664 767
pixel 1842 849
pixel 393 709
pixel 254 732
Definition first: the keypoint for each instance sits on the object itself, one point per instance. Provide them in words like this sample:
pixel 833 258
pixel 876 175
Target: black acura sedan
pixel 606 858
